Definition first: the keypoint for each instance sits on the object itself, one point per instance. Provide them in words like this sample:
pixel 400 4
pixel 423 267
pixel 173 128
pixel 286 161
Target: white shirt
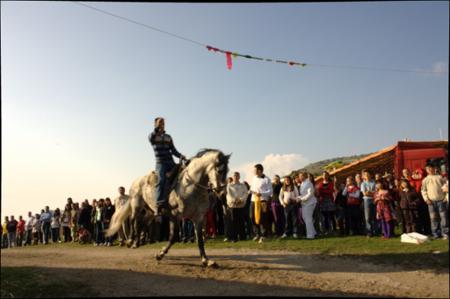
pixel 236 195
pixel 287 197
pixel 121 200
pixel 29 223
pixel 262 186
pixel 306 191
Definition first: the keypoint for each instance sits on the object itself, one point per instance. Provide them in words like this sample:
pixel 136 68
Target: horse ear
pixel 228 156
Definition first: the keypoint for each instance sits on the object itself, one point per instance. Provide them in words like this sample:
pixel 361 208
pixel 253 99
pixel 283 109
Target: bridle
pixel 203 187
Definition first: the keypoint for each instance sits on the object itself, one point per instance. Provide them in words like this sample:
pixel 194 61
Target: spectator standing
pixel 5 233
pixel 368 189
pixel 109 212
pixel 308 202
pixel 210 222
pixel 358 180
pixel 56 226
pixel 29 229
pixel 84 220
pixel 409 202
pixel 236 200
pixel 20 232
pixel 46 219
pixel 228 231
pixel 424 217
pixel 65 223
pixel 288 199
pixel 341 203
pixel 118 203
pixel 188 233
pixel 246 212
pixel 74 214
pixel 383 201
pixel 445 189
pixel 261 189
pixel 37 224
pixel 352 207
pixel 437 204
pixel 325 191
pixel 98 223
pixel 277 207
pixel 317 216
pixel 301 223
pixel 12 228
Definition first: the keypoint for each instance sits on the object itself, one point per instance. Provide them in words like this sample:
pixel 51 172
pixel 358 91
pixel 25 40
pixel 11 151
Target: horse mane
pixel 223 159
pixel 204 151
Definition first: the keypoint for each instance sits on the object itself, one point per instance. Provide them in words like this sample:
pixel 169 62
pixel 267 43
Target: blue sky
pixel 80 89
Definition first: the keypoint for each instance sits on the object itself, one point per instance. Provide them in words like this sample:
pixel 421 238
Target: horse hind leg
pixel 206 262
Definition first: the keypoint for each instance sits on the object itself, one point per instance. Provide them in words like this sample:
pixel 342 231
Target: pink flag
pixel 229 61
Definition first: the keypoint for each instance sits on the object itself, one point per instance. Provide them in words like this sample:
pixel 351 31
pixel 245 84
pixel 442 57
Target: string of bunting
pixel 230 55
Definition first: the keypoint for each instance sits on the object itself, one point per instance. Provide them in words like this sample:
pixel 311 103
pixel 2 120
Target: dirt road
pixel 126 272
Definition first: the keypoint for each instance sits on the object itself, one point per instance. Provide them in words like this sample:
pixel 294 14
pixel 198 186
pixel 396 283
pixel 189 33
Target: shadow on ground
pixel 100 282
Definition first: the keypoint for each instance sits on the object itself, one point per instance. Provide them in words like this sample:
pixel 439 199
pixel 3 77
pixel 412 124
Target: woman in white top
pixel 288 199
pixel 308 200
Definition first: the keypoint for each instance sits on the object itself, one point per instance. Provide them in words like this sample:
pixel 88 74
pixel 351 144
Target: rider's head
pixel 159 123
pixel 121 190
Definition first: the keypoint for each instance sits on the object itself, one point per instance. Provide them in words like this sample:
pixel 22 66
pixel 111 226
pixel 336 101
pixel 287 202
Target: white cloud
pixel 280 164
pixel 440 67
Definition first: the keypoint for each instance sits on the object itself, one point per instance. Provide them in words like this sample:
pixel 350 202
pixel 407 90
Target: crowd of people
pixel 291 207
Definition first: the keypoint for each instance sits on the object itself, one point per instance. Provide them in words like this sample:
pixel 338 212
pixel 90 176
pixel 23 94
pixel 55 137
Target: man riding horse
pixel 165 166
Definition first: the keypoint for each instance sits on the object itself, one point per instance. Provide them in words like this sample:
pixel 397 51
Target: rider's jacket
pixel 163 146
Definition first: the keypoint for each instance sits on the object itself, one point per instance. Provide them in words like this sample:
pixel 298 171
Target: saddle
pixel 172 179
pixel 173 174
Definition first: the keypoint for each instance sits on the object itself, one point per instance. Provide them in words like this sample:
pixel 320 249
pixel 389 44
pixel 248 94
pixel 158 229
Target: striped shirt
pixel 163 147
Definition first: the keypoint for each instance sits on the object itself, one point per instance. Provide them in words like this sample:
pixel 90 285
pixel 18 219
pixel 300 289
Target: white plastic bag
pixel 414 238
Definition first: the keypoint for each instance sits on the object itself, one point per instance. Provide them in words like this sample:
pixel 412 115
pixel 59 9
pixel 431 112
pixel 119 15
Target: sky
pixel 80 89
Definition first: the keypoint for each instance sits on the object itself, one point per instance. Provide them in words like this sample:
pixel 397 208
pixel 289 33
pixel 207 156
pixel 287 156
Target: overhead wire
pixel 258 58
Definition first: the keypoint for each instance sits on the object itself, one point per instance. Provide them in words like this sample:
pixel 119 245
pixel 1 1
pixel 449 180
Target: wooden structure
pixel 404 154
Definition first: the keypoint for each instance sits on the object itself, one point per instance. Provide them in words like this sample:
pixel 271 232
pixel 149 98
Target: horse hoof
pixel 213 264
pixel 134 246
pixel 159 257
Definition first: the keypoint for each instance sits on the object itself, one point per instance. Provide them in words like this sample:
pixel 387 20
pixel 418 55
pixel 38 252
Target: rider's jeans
pixel 162 169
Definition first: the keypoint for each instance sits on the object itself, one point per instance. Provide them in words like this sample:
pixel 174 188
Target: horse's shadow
pixel 381 263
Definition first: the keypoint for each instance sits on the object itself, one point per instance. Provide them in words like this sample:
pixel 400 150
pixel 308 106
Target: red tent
pixel 405 154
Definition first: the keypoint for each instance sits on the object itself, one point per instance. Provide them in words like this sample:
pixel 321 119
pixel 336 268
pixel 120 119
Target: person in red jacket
pixel 352 207
pixel 325 190
pixel 20 231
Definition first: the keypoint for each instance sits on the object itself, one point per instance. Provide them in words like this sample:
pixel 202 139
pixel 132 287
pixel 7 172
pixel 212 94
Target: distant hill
pixel 330 164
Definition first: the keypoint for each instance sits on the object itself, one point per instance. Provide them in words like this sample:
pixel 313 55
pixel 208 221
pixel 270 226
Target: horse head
pixel 216 168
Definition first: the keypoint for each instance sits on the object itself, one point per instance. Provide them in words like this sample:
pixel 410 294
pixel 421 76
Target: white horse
pixel 189 197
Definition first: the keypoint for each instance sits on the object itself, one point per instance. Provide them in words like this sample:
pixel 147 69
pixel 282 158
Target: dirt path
pixel 126 272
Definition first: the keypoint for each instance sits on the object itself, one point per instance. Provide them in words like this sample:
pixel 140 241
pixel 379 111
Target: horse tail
pixel 118 218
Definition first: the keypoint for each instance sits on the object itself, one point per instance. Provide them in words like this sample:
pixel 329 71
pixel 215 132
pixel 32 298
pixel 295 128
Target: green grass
pixel 31 282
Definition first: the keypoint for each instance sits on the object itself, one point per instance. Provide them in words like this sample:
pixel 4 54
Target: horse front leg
pixel 159 256
pixel 198 227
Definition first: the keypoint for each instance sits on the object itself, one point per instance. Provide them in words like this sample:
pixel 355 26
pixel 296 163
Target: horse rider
pixel 164 150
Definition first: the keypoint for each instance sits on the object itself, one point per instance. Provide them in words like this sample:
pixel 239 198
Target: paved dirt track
pixel 113 271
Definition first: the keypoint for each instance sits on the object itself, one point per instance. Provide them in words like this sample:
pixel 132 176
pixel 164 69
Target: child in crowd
pixel 409 202
pixel 384 212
